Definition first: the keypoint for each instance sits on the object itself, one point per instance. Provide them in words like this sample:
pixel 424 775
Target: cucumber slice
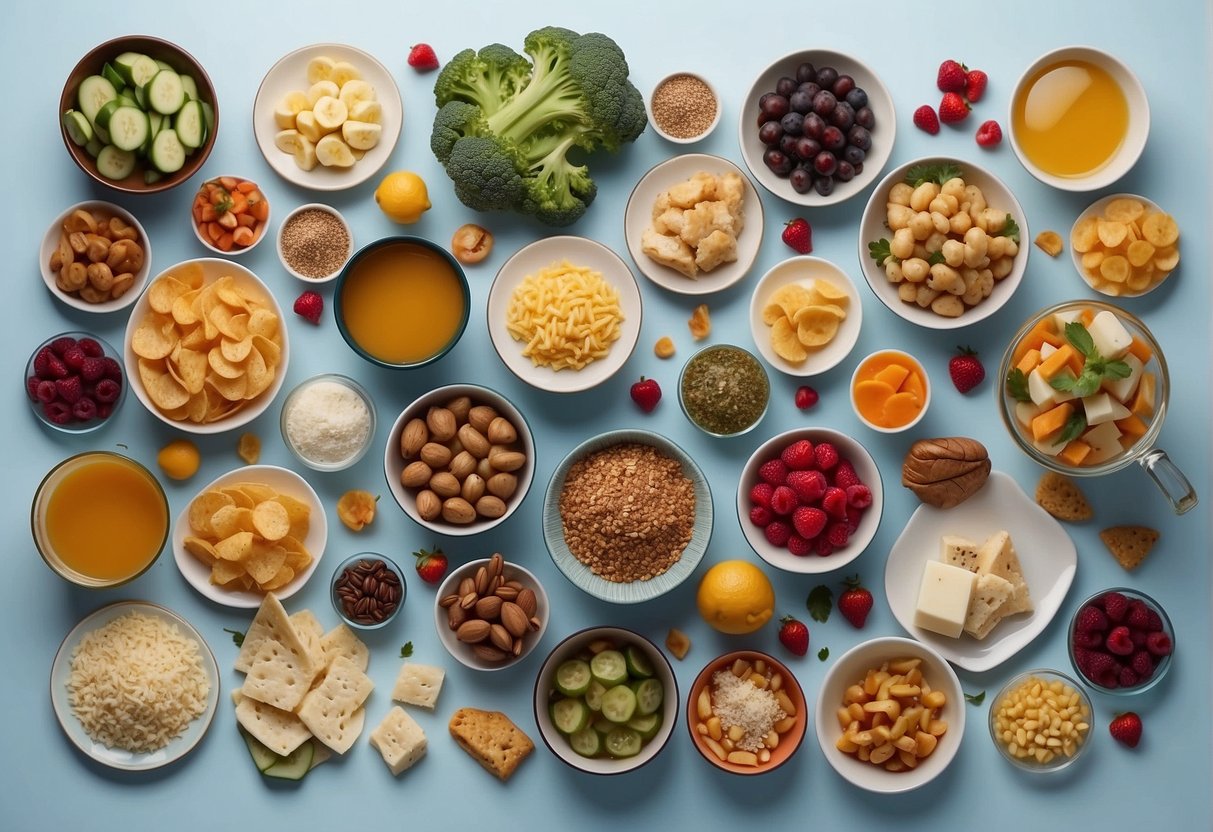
pixel 102 119
pixel 156 122
pixel 136 68
pixel 167 153
pixel 128 128
pixel 569 715
pixel 113 76
pixel 190 124
pixel 164 92
pixel 609 667
pixel 93 94
pixel 593 696
pixel 293 766
pixel 151 177
pixel 603 725
pixel 209 113
pixel 573 678
pixel 165 65
pixel 93 148
pixel 619 704
pixel 115 164
pixel 649 695
pixel 646 725
pixel 263 758
pixel 623 742
pixel 78 128
pixel 638 663
pixel 141 97
pixel 587 742
pixel 127 101
pixel 101 133
pixel 190 86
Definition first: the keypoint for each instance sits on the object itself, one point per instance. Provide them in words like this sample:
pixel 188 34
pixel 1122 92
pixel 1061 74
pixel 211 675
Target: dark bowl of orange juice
pixel 402 302
pixel 100 519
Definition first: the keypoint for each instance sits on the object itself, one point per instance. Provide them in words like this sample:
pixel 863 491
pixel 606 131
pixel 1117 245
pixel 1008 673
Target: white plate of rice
pixel 173 688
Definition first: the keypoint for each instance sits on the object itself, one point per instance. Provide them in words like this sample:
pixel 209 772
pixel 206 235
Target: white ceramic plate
pixel 281 479
pixel 51 239
pixel 804 270
pixel 579 252
pixel 61 671
pixel 1046 553
pixel 1097 209
pixel 289 74
pixel 639 216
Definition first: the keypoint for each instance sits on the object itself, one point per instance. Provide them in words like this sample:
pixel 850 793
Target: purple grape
pixel 793 124
pixel 801 180
pixel 807 148
pixel 770 133
pixel 857 98
pixel 859 169
pixel 860 137
pixel 806 72
pixel 787 145
pixel 833 139
pixel 824 185
pixel 778 162
pixel 853 154
pixel 845 172
pixel 826 76
pixel 813 125
pixel 774 105
pixel 809 87
pixel 801 102
pixel 825 163
pixel 842 116
pixel 824 103
pixel 842 85
pixel 865 118
pixel 785 86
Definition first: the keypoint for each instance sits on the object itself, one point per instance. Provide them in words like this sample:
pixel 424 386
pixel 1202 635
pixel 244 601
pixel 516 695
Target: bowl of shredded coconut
pixel 328 422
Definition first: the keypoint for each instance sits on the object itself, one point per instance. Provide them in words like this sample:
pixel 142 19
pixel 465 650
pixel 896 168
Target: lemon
pixel 179 459
pixel 402 195
pixel 736 597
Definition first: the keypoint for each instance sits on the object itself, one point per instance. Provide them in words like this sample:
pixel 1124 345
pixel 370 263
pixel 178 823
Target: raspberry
pixel 798 456
pixel 799 547
pixel 760 516
pixel 85 410
pixel 808 485
pixel 1099 667
pixel 74 357
pixel 1128 678
pixel 69 389
pixel 55 368
pixel 760 494
pixel 47 391
pixel 1136 618
pixel 809 521
pixel 42 362
pixel 31 387
pixel 1115 605
pixel 1120 641
pixel 57 412
pixel 1088 639
pixel 1159 644
pixel 825 456
pixel 112 369
pixel 859 496
pixel 783 500
pixel 92 369
pixel 1142 664
pixel 777 533
pixel 834 501
pixel 845 476
pixel 1091 620
pixel 91 347
pixel 1153 621
pixel 823 546
pixel 1139 637
pixel 773 471
pixel 104 410
pixel 838 534
pixel 60 345
pixel 107 391
pixel 854 515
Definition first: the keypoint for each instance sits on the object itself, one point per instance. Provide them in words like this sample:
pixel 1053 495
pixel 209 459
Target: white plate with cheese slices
pixel 289 75
pixel 1046 554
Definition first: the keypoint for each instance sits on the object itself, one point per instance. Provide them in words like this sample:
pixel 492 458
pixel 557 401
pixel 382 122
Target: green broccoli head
pixel 485 173
pixel 616 107
pixel 556 191
pixel 455 120
pixel 489 78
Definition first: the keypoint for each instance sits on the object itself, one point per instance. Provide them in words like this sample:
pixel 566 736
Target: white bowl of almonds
pixel 491 613
pixel 460 459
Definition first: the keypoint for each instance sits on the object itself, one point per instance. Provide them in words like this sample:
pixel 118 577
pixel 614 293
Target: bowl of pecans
pixel 367 590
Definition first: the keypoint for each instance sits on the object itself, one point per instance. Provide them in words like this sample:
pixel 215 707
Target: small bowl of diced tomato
pixel 230 215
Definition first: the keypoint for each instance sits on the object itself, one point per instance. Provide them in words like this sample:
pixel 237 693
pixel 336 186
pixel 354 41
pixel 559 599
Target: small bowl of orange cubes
pixel 1124 245
pixel 230 215
pixel 890 391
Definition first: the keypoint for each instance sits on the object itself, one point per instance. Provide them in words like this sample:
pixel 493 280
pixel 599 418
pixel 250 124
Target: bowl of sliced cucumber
pixel 139 114
pixel 606 700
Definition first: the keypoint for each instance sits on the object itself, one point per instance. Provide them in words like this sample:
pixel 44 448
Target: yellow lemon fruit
pixel 403 197
pixel 736 597
pixel 179 459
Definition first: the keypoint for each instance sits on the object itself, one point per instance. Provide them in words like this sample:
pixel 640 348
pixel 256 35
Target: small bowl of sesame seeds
pixel 684 108
pixel 314 243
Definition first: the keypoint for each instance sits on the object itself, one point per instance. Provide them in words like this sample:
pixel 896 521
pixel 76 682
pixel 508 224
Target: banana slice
pixel 369 112
pixel 360 135
pixel 288 108
pixel 354 91
pixel 319 90
pixel 332 152
pixel 357 154
pixel 330 113
pixel 287 140
pixel 344 71
pixel 320 68
pixel 306 124
pixel 290 141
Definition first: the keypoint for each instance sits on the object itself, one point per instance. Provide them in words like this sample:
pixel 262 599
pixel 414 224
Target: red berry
pixel 91 347
pixel 1153 621
pixel 422 58
pixel 845 476
pixel 854 516
pixel 92 369
pixel 834 501
pixel 989 134
pixel 1126 729
pixel 309 306
pixel 1091 619
pixel 57 412
pixel 85 409
pixel 1088 639
pixel 777 533
pixel 806 397
pixel 431 564
pixel 112 368
pixel 783 500
pixel 823 547
pixel 799 547
pixel 808 485
pixel 798 234
pixel 951 76
pixel 953 108
pixel 1119 641
pixel 55 368
pixel 808 521
pixel 1137 617
pixel 760 494
pixel 975 85
pixel 1142 664
pixel 798 456
pixel 69 389
pixel 1159 644
pixel 825 456
pixel 74 357
pixel 107 391
pixel 60 345
pixel 1128 678
pixel 646 393
pixel 794 635
pixel 773 471
pixel 838 533
pixel 47 391
pixel 855 603
pixel 31 387
pixel 966 369
pixel 926 120
pixel 42 362
pixel 104 409
pixel 760 516
pixel 1099 667
pixel 1115 605
pixel 859 496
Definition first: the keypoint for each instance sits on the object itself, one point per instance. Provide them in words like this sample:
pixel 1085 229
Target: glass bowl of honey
pixel 1079 119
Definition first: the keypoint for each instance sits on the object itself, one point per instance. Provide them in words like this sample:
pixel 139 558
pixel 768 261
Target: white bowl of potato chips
pixel 254 530
pixel 805 316
pixel 206 347
pixel 1124 245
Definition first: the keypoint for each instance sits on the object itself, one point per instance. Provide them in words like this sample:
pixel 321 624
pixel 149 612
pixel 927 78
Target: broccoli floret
pixel 527 116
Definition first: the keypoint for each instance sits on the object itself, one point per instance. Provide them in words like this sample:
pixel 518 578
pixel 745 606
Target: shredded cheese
pixel 740 702
pixel 566 316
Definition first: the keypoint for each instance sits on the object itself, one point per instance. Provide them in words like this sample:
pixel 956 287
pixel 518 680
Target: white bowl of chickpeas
pixel 96 257
pixel 890 715
pixel 943 242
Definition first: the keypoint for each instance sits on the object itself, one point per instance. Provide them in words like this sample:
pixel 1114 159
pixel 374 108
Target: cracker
pixel 311 633
pixel 341 641
pixel 1060 496
pixel 280 669
pixel 268 624
pixel 332 711
pixel 1129 544
pixel 399 740
pixel 491 739
pixel 418 684
pixel 279 731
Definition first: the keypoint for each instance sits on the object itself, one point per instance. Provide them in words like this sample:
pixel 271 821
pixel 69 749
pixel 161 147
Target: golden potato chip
pixel 264 561
pixel 231 520
pixel 194 338
pixel 226 572
pixel 153 339
pixel 239 497
pixel 1138 280
pixel 191 274
pixel 235 547
pixel 183 309
pixel 1110 233
pixel 297 555
pixel 1160 230
pixel 195 408
pixel 1085 235
pixel 1139 253
pixel 831 293
pixel 271 521
pixel 285 575
pixel 164 390
pixel 816 326
pixel 248 448
pixel 1049 242
pixel 191 368
pixel 785 343
pixel 258 374
pixel 771 313
pixel 1166 259
pixel 232 389
pixel 263 322
pixel 271 351
pixel 790 297
pixel 203 508
pixel 1092 259
pixel 1124 209
pixel 221 366
pixel 201 548
pixel 1114 268
pixel 258 492
pixel 226 291
pixel 164 292
pixel 235 351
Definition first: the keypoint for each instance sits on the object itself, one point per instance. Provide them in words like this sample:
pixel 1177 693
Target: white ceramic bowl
pixel 571 647
pixel 639 216
pixel 463 653
pixel 883 134
pixel 1096 210
pixel 851 668
pixel 804 270
pixel 926 383
pixel 211 269
pixel 262 230
pixel 813 564
pixel 51 239
pixel 394 463
pixel 669 137
pixel 873 227
pixel 349 251
pixel 1138 130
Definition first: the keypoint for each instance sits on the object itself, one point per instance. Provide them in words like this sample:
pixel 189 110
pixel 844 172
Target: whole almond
pixel 502 485
pixel 463 464
pixel 434 455
pixel 467 585
pixel 474 441
pixel 496 564
pixel 482 580
pixel 488 607
pixel 485 469
pixel 473 631
pixel 448 600
pixel 489 653
pixel 514 584
pixel 506 593
pixel 490 507
pixel 528 601
pixel 473 488
pixel 468 601
pixel 458 510
pixel 416 474
pixel 501 637
pixel 517 648
pixel 501 431
pixel 459 407
pixel 455 616
pixel 535 623
pixel 503 459
pixel 444 484
pixel 455 447
pixel 481 416
pixel 429 505
pixel 415 435
pixel 441 423
pixel 513 619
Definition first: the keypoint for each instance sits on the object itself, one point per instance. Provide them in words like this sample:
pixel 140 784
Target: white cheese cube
pixel 1046 349
pixel 399 739
pixel 1123 388
pixel 1025 412
pixel 418 684
pixel 943 598
pixel 1042 393
pixel 1101 407
pixel 1060 319
pixel 1111 338
pixel 1104 440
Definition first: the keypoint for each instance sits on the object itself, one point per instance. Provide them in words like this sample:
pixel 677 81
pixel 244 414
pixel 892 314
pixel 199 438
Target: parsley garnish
pixel 975 698
pixel 823 653
pixel 1095 367
pixel 820 602
pixel 937 258
pixel 881 251
pixel 1017 385
pixel 918 174
pixel 407 650
pixel 1073 429
pixel 1009 229
pixel 237 637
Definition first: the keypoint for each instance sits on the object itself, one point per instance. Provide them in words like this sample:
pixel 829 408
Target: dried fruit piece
pixel 249 448
pixel 664 348
pixel 471 243
pixel 677 642
pixel 356 509
pixel 700 322
pixel 1050 243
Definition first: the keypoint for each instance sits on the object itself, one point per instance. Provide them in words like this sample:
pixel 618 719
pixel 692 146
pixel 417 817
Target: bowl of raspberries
pixel 809 500
pixel 1121 641
pixel 74 382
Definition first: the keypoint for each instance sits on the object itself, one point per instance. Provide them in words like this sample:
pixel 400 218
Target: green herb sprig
pixel 1095 367
pixel 820 602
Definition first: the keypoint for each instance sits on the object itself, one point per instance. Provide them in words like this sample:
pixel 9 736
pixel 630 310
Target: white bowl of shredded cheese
pixel 328 422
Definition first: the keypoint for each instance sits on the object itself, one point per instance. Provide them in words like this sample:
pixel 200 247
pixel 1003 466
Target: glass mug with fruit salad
pixel 1084 392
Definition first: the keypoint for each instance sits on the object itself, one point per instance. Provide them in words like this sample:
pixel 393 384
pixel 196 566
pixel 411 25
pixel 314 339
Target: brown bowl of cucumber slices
pixel 139 114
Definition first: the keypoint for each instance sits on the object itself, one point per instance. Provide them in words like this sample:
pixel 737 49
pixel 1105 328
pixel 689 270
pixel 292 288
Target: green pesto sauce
pixel 724 390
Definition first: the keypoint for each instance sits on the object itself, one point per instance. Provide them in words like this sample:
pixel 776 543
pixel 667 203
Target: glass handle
pixel 1169 479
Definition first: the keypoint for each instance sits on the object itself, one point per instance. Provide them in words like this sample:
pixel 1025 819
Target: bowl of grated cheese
pixel 328 422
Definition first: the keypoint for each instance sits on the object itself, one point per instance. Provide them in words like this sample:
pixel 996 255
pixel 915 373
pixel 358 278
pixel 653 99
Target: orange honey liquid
pixel 402 303
pixel 1072 118
pixel 107 519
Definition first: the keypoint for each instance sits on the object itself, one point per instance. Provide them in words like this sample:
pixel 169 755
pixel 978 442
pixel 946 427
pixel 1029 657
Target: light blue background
pixel 45 784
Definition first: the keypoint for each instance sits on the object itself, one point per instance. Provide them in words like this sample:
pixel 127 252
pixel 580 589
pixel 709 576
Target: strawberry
pixel 808 521
pixel 760 494
pixel 989 134
pixel 773 472
pixel 422 58
pixel 855 602
pixel 431 564
pixel 777 533
pixel 784 500
pixel 951 76
pixel 799 455
pixel 309 306
pixel 975 85
pixel 761 516
pixel 794 635
pixel 1119 641
pixel 808 485
pixel 806 397
pixel 1126 729
pixel 926 120
pixel 966 369
pixel 646 393
pixel 825 456
pixel 953 108
pixel 798 234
